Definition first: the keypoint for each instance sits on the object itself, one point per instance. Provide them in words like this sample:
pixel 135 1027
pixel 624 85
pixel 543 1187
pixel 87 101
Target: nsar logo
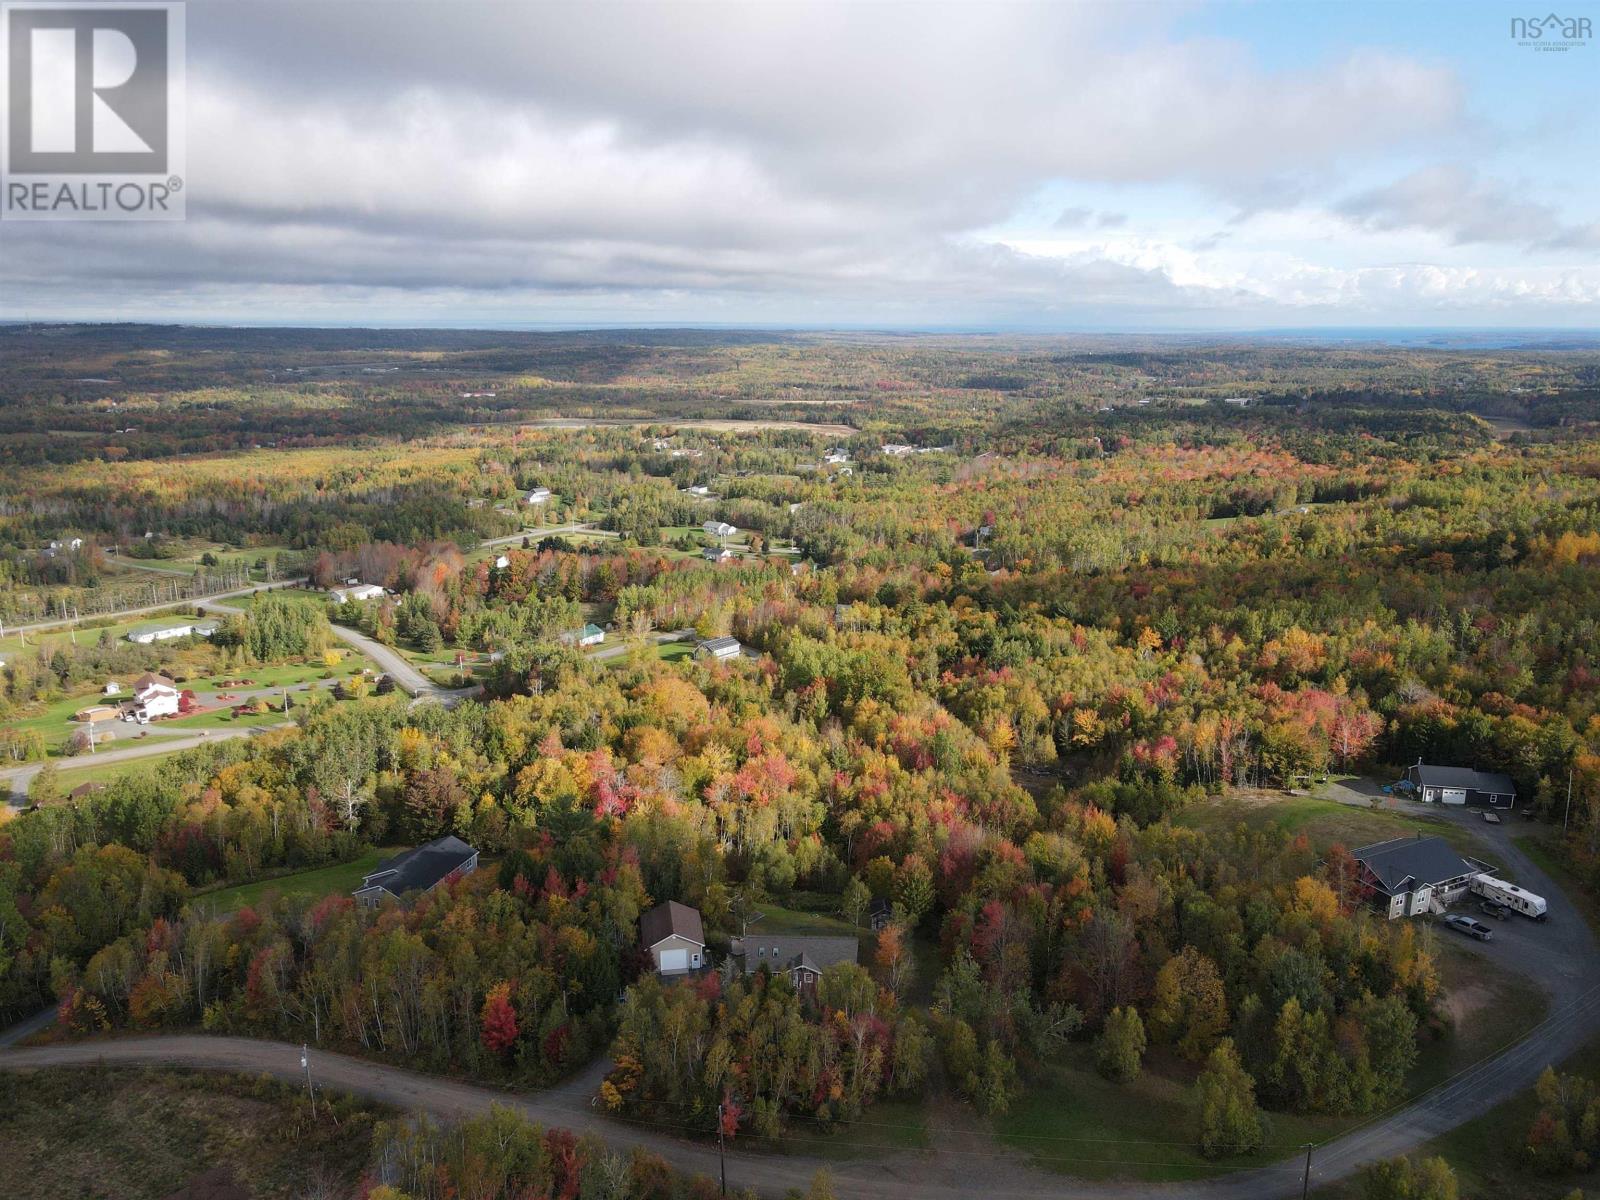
pixel 1551 32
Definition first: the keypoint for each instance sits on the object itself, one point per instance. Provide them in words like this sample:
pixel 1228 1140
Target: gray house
pixel 1462 785
pixel 675 937
pixel 1404 877
pixel 803 957
pixel 419 870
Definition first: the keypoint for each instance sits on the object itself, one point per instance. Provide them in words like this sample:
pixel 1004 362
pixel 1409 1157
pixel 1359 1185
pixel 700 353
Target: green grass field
pixel 1323 821
pixel 339 879
pixel 777 919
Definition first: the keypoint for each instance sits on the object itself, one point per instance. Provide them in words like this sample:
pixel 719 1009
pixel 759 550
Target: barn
pixel 1462 785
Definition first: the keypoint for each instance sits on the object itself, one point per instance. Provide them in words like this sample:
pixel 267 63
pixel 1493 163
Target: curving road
pixel 1560 955
pixel 121 613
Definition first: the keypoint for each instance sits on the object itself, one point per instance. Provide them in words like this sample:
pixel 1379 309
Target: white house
pixel 501 563
pixel 164 631
pixel 155 696
pixel 719 529
pixel 836 455
pixel 538 495
pixel 897 449
pixel 717 554
pixel 675 937
pixel 590 635
pixel 112 689
pixel 361 591
pixel 699 491
pixel 721 647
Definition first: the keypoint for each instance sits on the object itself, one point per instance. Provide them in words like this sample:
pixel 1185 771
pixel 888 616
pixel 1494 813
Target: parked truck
pixel 1509 894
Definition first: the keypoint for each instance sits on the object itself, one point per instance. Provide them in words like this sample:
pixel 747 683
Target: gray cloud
pixel 701 158
pixel 1457 202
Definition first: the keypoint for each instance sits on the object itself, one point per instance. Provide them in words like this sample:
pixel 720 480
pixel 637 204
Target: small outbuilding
pixel 675 937
pixel 1462 785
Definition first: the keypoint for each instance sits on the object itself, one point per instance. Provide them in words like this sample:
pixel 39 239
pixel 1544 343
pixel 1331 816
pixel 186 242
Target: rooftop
pixel 669 919
pixel 1465 777
pixel 1400 862
pixel 785 950
pixel 422 868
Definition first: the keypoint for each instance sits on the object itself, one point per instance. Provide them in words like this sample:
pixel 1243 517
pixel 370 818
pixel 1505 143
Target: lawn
pixel 887 1127
pixel 339 879
pixel 1078 1123
pixel 1323 821
pixel 144 1134
pixel 777 919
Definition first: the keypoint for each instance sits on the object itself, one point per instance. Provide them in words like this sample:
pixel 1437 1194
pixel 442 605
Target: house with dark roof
pixel 1404 877
pixel 1462 785
pixel 803 957
pixel 675 937
pixel 419 870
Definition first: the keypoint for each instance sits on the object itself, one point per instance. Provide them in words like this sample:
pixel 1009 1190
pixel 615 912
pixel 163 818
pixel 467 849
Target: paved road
pixel 535 535
pixel 17 779
pixel 150 608
pixel 406 677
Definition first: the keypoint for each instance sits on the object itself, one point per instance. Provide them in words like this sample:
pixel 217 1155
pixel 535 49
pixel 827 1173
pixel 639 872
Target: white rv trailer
pixel 1517 899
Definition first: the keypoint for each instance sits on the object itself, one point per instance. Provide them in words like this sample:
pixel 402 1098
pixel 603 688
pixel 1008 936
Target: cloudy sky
pixel 1061 166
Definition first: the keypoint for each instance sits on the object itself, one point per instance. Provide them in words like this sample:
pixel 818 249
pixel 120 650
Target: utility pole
pixel 1305 1186
pixel 1567 816
pixel 305 1061
pixel 722 1158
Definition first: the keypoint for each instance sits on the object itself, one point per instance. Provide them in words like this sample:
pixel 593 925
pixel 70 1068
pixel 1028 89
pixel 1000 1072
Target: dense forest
pixel 1011 612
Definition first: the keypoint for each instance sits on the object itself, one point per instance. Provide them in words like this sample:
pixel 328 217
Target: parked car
pixel 1470 927
pixel 1492 908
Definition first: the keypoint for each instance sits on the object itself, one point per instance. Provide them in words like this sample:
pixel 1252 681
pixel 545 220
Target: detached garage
pixel 673 934
pixel 1461 785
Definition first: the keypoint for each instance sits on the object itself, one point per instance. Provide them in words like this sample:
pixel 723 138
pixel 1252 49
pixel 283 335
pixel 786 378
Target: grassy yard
pixel 138 1134
pixel 887 1127
pixel 341 878
pixel 777 919
pixel 1078 1123
pixel 1323 821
